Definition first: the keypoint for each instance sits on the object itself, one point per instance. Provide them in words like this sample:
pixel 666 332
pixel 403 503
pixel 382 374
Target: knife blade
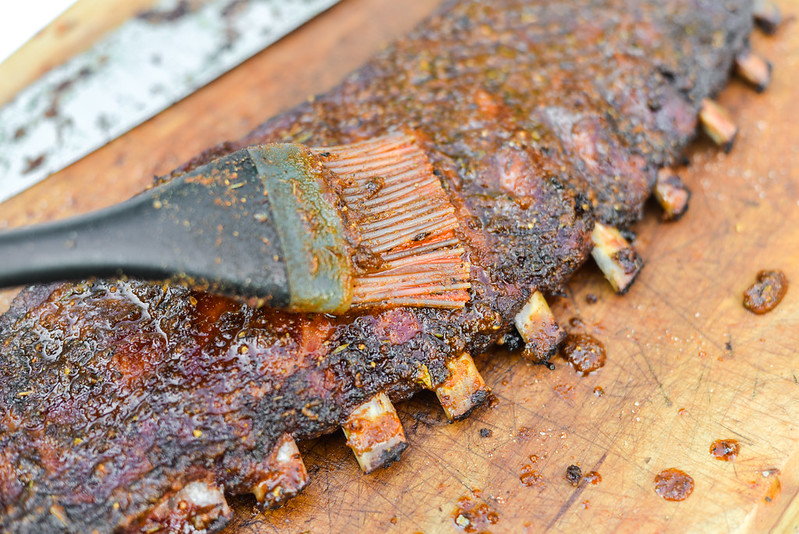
pixel 141 68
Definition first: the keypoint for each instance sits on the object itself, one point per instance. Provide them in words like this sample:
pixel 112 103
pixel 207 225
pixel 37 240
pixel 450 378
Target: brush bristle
pixel 404 218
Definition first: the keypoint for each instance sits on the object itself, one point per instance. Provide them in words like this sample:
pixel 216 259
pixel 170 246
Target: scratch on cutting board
pixel 575 495
pixel 546 419
pixel 701 379
pixel 729 353
pixel 699 237
pixel 573 300
pixel 436 429
pixel 472 451
pixel 747 439
pixel 681 314
pixel 654 376
pixel 396 506
pixel 754 388
pixel 446 466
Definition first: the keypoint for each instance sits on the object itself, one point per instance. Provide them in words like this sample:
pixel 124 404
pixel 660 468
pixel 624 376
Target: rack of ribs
pixel 130 405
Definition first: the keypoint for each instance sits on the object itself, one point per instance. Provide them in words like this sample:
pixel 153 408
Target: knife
pixel 147 64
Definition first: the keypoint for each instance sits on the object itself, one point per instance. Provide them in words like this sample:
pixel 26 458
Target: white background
pixel 21 19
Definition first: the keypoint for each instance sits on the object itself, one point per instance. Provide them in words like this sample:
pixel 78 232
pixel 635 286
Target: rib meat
pixel 126 403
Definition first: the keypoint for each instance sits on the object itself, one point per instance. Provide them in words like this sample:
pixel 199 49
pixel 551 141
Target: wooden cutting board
pixel 687 364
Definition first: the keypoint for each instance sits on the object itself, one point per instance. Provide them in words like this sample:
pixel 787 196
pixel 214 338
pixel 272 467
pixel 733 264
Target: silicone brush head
pixel 409 254
pixel 307 230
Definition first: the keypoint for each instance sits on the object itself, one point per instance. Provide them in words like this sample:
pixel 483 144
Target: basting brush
pixel 284 225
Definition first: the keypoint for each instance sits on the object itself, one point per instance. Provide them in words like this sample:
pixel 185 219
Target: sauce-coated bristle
pixel 406 219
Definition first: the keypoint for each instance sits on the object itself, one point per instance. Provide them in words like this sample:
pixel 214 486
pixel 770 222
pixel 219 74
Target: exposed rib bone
pixel 539 329
pixel 754 69
pixel 200 505
pixel 285 475
pixel 615 257
pixel 767 16
pixel 464 390
pixel 718 124
pixel 671 193
pixel 374 433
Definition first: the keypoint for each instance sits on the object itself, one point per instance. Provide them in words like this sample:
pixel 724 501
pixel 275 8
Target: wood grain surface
pixel 687 364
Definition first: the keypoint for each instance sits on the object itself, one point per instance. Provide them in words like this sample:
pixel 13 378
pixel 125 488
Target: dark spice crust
pixel 536 114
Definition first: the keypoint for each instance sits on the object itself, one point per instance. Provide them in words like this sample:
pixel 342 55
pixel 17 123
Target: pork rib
pixel 129 405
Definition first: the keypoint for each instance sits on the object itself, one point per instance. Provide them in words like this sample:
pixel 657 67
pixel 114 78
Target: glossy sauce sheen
pixel 531 477
pixel 725 449
pixel 473 516
pixel 767 292
pixel 674 485
pixel 585 353
pixel 592 477
pixel 538 117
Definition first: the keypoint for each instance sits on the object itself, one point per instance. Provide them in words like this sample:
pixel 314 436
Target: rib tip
pixel 284 475
pixel 718 124
pixel 464 390
pixel 540 331
pixel 622 290
pixel 754 69
pixel 374 433
pixel 767 16
pixel 616 258
pixel 199 506
pixel 386 457
pixel 672 194
pixel 729 145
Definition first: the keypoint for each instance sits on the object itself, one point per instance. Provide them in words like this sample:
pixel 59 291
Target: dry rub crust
pixel 537 115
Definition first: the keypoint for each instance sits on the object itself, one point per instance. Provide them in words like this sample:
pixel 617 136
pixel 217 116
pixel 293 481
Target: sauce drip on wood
pixel 530 477
pixel 473 516
pixel 725 449
pixel 673 484
pixel 593 477
pixel 766 293
pixel 585 353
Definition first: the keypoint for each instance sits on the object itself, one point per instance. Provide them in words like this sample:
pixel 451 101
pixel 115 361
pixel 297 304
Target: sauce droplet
pixel 473 516
pixel 525 433
pixel 725 449
pixel 598 391
pixel 593 477
pixel 764 295
pixel 674 485
pixel 585 353
pixel 773 491
pixel 530 477
pixel 576 322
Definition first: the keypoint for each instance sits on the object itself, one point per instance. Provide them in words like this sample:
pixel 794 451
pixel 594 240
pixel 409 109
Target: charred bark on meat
pixel 121 399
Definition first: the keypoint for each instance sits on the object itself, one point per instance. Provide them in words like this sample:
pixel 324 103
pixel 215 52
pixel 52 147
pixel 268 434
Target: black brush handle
pixel 212 228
